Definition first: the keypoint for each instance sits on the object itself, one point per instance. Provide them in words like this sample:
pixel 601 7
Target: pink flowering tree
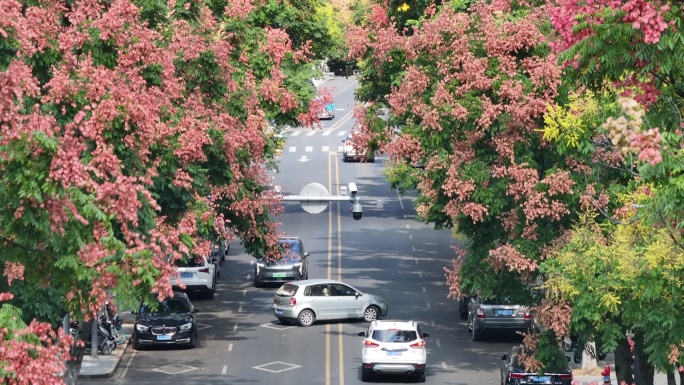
pixel 462 98
pixel 130 137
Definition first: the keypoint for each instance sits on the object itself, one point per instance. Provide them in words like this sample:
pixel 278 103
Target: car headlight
pixel 186 327
pixel 142 328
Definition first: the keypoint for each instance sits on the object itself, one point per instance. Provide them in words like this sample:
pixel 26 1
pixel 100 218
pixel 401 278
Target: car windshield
pixel 395 335
pixel 169 306
pixel 287 290
pixel 291 252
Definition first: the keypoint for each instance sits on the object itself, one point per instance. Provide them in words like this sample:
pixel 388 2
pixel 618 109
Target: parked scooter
pixel 105 340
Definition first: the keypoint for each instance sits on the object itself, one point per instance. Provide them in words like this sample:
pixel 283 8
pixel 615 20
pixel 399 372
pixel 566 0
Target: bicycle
pixel 118 332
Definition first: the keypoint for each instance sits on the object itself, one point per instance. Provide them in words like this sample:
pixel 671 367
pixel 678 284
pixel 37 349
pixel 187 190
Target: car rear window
pixel 190 262
pixel 287 290
pixel 395 335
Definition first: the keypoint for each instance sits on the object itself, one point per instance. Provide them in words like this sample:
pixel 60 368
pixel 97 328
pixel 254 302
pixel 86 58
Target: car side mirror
pixel 195 310
pixel 357 295
pixel 426 335
pixel 504 357
pixel 306 254
pixel 363 334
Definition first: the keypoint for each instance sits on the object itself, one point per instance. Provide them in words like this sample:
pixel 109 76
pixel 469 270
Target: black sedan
pixel 514 373
pixel 168 322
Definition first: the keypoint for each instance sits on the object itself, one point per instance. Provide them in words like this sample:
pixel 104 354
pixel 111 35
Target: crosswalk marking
pixel 326 133
pixel 295 133
pixel 325 149
pixel 308 149
pixel 311 133
pixel 341 133
pixel 292 149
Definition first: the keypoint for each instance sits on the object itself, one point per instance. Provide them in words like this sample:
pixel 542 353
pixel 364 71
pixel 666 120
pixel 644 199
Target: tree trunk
pixel 671 377
pixel 643 370
pixel 73 364
pixel 589 356
pixel 623 363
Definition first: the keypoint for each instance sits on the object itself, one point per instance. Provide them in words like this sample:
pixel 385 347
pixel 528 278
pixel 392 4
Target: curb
pixel 116 366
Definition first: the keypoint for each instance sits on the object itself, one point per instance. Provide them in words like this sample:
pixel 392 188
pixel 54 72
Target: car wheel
pixel 137 345
pixel 420 377
pixel 366 376
pixel 371 313
pixel 191 344
pixel 210 293
pixel 107 348
pixel 477 335
pixel 306 318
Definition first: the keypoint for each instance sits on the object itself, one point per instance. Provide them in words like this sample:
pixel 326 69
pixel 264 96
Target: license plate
pixel 278 311
pixel 505 312
pixel 394 352
pixel 541 379
pixel 186 275
pixel 279 275
pixel 163 338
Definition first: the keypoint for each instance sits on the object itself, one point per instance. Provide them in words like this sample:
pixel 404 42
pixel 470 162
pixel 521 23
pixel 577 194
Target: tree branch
pixel 10 242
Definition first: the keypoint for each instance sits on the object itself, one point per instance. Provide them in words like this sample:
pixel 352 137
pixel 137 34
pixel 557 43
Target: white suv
pixel 197 274
pixel 349 153
pixel 393 347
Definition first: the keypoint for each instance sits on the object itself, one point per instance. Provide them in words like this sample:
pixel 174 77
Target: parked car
pixel 496 313
pixel 323 299
pixel 197 274
pixel 514 373
pixel 170 322
pixel 349 153
pixel 294 264
pixel 215 259
pixel 394 347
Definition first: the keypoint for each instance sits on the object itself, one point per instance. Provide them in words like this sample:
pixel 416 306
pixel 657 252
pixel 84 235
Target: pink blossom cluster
pixel 507 257
pixel 627 135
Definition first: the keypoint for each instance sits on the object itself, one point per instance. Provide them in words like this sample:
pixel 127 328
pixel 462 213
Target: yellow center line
pixel 327 326
pixel 339 267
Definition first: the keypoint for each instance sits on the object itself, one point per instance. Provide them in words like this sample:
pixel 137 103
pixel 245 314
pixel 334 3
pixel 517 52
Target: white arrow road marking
pixel 303 159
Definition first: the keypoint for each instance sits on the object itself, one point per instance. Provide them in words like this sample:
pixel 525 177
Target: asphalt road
pixel 388 253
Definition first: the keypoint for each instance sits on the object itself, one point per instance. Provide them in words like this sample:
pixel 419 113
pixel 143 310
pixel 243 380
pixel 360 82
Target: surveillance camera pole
pixel 314 197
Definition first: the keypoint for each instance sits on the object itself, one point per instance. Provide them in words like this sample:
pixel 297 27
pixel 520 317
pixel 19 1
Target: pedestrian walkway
pixel 659 379
pixel 105 366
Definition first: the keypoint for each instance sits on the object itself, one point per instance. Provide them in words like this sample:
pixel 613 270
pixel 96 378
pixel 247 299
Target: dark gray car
pixel 292 266
pixel 496 313
pixel 324 299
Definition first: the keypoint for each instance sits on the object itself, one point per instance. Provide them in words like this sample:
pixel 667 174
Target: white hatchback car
pixel 394 347
pixel 197 274
pixel 349 153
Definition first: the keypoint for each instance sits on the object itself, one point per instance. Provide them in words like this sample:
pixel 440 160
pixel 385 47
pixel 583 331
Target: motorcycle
pixel 105 340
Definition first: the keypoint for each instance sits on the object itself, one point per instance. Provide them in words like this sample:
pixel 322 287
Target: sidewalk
pixel 105 366
pixel 659 379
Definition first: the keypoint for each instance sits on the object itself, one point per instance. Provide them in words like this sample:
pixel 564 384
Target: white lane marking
pixel 295 133
pixel 308 149
pixel 292 149
pixel 432 323
pixel 416 259
pixel 325 148
pixel 401 201
pixel 230 347
pixel 128 363
pixel 410 236
pixel 340 148
pixel 311 133
pixel 407 226
pixel 244 292
pixel 444 365
pixel 235 327
pixel 413 248
pixel 342 133
pixel 427 304
pixel 439 344
pixel 240 309
pixel 424 289
pixel 326 133
pixel 225 369
pixel 420 274
pixel 251 261
pixel 248 275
